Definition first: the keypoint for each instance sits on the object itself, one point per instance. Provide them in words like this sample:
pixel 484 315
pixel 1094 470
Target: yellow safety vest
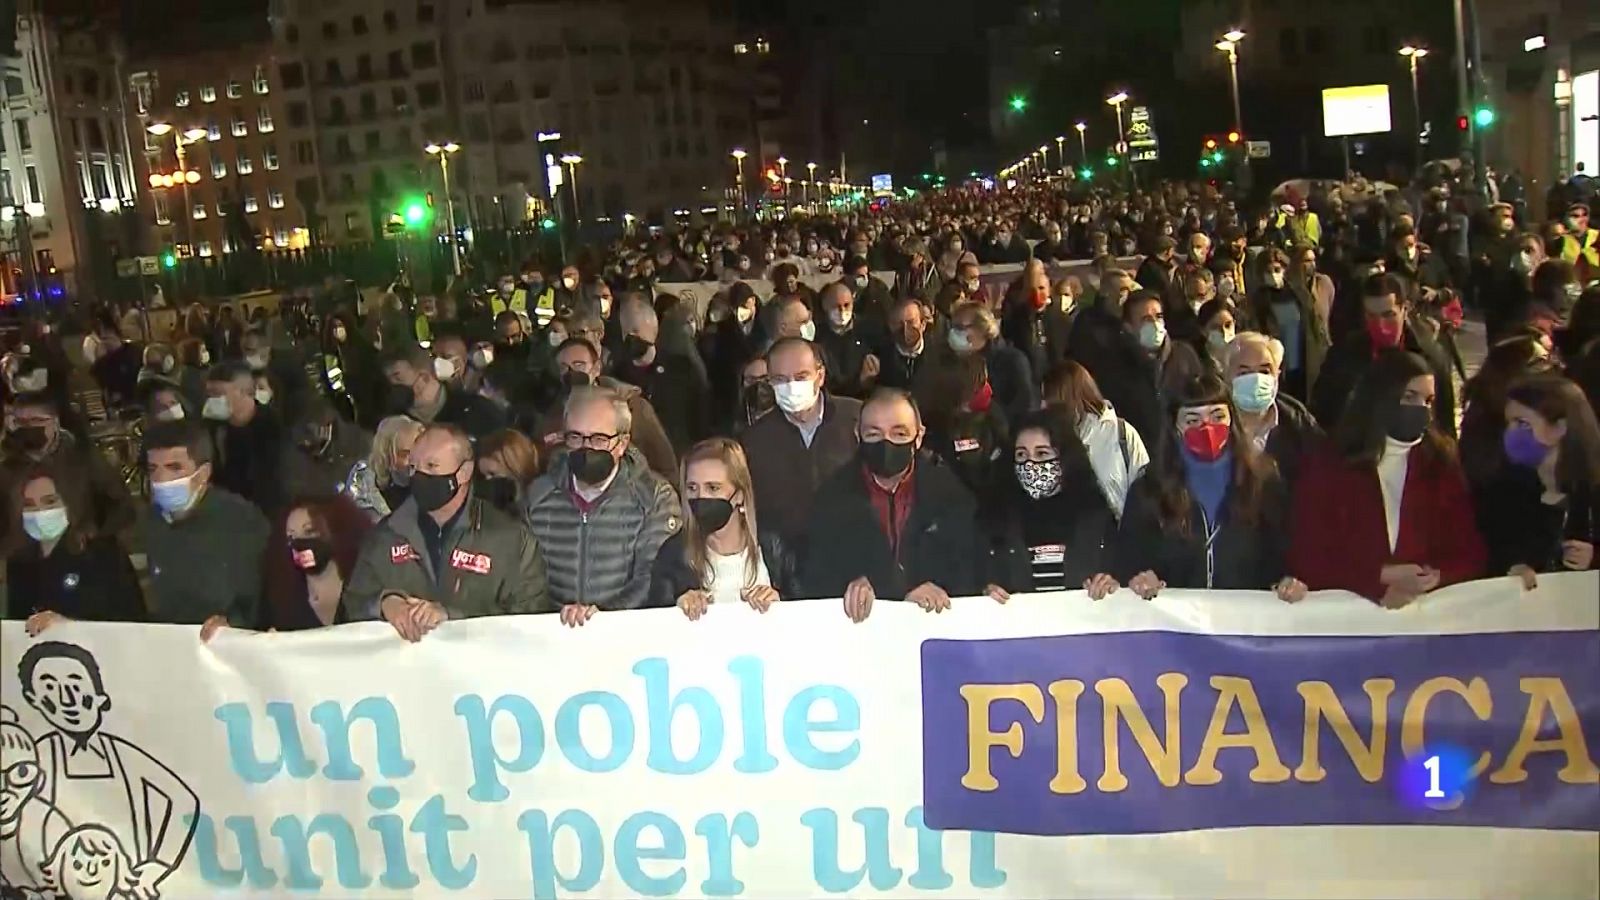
pixel 1587 252
pixel 518 304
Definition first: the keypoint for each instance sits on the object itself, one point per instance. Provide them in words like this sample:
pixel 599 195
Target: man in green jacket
pixel 444 553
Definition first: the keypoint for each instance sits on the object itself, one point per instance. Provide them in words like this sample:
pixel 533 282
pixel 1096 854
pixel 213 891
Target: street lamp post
pixel 1116 100
pixel 180 139
pixel 443 151
pixel 1083 142
pixel 1230 45
pixel 1061 152
pixel 738 158
pixel 1413 54
pixel 783 176
pixel 1044 160
pixel 571 160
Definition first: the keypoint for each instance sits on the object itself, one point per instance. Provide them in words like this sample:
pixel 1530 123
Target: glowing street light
pixel 1083 143
pixel 1413 55
pixel 1230 45
pixel 738 158
pixel 443 151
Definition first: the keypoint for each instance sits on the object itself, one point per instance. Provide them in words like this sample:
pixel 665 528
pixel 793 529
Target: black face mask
pixel 635 347
pixel 885 458
pixel 1408 422
pixel 591 466
pixel 399 398
pixel 321 554
pixel 759 400
pixel 501 492
pixel 710 513
pixel 30 438
pixel 573 378
pixel 433 491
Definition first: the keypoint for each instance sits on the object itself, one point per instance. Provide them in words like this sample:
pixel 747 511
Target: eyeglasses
pixel 577 440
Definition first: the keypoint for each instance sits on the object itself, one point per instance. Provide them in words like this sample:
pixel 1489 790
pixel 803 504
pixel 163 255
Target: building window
pixel 424 55
pixel 292 34
pixel 425 13
pixel 205 249
pixel 473 91
pixel 219 167
pixel 372 141
pixel 304 154
pixel 31 175
pixel 330 31
pixel 298 115
pixel 293 76
pixel 162 217
pixel 199 211
pixel 1289 44
pixel 240 128
pixel 1315 42
pixel 398 95
pixel 213 131
pixel 369 104
pixel 250 204
pixel 428 94
pixel 347 184
pixel 260 84
pixel 269 157
pixel 264 121
pixel 235 90
pixel 358 25
pixel 280 237
pixel 390 23
pixel 246 165
pixel 275 199
pixel 24 137
pixel 741 49
pixel 397 64
pixel 363 67
pixel 208 94
pixel 334 76
pixel 182 99
pixel 762 46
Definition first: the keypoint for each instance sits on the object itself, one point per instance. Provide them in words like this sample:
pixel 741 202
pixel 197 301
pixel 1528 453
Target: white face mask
pixel 605 307
pixel 1153 334
pixel 1276 278
pixel 1411 252
pixel 795 397
pixel 959 342
pixel 444 368
pixel 971 286
pixel 809 331
pixel 861 282
pixel 557 338
pixel 205 357
pixel 172 413
pixel 841 318
pixel 744 314
pixel 257 360
pixel 264 396
pixel 569 283
pixel 217 409
pixel 45 524
pixel 481 358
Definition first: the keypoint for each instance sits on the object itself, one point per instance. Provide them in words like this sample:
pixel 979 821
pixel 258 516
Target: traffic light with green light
pixel 414 211
pixel 1018 103
pixel 547 223
pixel 1483 116
pixel 1111 161
pixel 1205 162
pixel 1086 172
pixel 169 259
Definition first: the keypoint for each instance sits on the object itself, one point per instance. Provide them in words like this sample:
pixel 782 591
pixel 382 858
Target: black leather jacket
pixel 671 576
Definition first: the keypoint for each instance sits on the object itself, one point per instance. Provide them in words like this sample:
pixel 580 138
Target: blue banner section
pixel 1132 733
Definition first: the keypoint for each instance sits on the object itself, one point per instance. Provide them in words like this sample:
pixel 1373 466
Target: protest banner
pixel 1205 744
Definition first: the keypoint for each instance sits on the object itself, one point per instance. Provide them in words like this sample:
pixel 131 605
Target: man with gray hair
pixel 599 513
pixel 670 381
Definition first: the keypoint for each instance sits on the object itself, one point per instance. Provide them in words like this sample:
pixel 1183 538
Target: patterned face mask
pixel 1039 479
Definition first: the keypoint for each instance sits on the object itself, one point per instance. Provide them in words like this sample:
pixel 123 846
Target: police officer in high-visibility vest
pixel 1581 244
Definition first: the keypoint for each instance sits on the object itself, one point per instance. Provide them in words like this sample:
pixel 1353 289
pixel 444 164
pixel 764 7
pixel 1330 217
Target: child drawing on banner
pixel 100 779
pixel 88 864
pixel 29 824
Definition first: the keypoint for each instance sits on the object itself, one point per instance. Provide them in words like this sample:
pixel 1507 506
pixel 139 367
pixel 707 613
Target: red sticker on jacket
pixel 471 562
pixel 402 553
pixel 966 445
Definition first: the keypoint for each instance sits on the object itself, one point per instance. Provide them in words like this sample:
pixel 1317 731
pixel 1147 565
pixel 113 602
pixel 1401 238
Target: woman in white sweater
pixel 1116 451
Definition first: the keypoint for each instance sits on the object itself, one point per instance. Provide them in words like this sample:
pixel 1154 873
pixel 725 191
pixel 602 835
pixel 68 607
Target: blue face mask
pixel 45 524
pixel 173 497
pixel 1254 392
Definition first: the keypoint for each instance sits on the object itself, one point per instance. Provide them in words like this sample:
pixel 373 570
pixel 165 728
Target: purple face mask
pixel 1523 449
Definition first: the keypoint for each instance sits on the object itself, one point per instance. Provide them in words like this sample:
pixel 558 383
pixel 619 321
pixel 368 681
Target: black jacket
pixel 845 354
pixel 1083 524
pixel 1041 335
pixel 787 474
pixel 677 392
pixel 976 447
pixel 1520 529
pixel 96 584
pixel 671 577
pixel 250 460
pixel 471 413
pixel 897 370
pixel 1296 433
pixel 939 542
pixel 1136 383
pixel 1349 360
pixel 1245 557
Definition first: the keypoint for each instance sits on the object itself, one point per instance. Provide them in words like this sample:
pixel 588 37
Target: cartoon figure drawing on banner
pixel 27 820
pixel 133 817
pixel 89 864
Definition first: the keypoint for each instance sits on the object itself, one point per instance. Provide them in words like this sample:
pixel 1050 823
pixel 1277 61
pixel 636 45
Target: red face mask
pixel 982 399
pixel 1206 441
pixel 1384 332
pixel 1041 298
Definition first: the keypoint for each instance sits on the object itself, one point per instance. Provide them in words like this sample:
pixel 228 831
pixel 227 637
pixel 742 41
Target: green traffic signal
pixel 1111 161
pixel 547 223
pixel 1086 172
pixel 169 259
pixel 1019 103
pixel 415 213
pixel 1205 162
pixel 1217 157
pixel 1483 116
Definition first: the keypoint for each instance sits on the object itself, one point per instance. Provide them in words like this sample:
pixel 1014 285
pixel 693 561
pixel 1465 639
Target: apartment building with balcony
pixel 223 163
pixel 66 174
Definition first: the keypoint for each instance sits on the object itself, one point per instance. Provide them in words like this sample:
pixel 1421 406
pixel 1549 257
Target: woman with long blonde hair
pixel 381 482
pixel 720 556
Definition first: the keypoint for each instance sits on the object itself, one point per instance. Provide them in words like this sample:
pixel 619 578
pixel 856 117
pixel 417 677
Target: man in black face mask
pixel 415 390
pixel 322 449
pixel 896 525
pixel 445 553
pixel 670 381
pixel 599 513
pixel 578 366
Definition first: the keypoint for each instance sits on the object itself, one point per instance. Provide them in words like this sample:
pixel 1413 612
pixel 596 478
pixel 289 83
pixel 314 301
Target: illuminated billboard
pixel 1361 109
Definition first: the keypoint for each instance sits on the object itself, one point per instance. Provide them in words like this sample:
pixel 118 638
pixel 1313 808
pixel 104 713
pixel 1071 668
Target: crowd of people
pixel 1168 389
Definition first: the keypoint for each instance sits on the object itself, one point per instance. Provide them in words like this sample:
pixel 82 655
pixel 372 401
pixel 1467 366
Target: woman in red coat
pixel 1384 511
